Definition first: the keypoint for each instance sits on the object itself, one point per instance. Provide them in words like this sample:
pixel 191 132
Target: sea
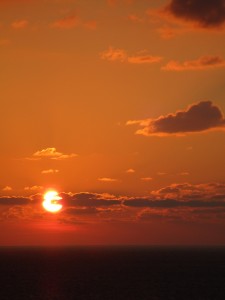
pixel 112 272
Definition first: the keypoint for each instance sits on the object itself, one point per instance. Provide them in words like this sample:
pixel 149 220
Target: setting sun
pixel 50 202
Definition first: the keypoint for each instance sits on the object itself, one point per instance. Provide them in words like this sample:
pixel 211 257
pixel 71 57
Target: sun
pixel 50 202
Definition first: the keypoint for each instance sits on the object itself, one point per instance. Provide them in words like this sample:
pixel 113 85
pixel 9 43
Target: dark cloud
pixel 187 191
pixel 89 200
pixel 81 211
pixel 184 195
pixel 204 13
pixel 14 200
pixel 170 203
pixel 198 117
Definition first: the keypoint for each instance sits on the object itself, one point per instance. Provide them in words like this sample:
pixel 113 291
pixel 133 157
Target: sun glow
pixel 50 202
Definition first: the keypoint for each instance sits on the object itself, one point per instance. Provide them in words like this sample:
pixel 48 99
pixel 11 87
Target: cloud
pixel 73 21
pixel 20 24
pixel 82 211
pixel 7 188
pixel 146 178
pixel 130 171
pixel 202 13
pixel 187 191
pixel 184 174
pixel 107 179
pixel 161 173
pixel 91 25
pixel 143 59
pixel 51 153
pixel 90 200
pixel 198 117
pixel 50 171
pixel 66 23
pixel 116 2
pixel 136 19
pixel 171 203
pixel 33 188
pixel 203 63
pixel 116 54
pixel 176 202
pixel 14 200
pixel 149 214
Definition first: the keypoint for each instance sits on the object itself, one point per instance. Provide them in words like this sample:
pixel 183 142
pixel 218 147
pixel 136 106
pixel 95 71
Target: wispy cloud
pixel 146 178
pixel 202 63
pixel 114 3
pixel 73 21
pixel 33 188
pixel 130 171
pixel 184 174
pixel 51 153
pixel 66 23
pixel 7 188
pixel 142 57
pixel 107 179
pixel 20 24
pixel 135 18
pixel 50 171
pixel 198 117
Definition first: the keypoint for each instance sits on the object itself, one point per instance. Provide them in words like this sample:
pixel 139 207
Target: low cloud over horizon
pixel 185 199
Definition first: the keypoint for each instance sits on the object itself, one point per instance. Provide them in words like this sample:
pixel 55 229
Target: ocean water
pixel 112 273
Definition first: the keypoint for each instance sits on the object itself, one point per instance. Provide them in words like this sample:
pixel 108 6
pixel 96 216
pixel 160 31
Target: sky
pixel 118 105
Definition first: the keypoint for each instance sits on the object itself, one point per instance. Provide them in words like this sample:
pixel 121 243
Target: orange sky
pixel 119 106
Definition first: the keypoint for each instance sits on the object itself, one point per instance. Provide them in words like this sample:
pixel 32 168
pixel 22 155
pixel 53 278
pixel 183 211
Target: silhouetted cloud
pixel 203 13
pixel 175 203
pixel 14 200
pixel 142 57
pixel 203 63
pixel 170 203
pixel 89 200
pixel 81 211
pixel 198 117
pixel 187 191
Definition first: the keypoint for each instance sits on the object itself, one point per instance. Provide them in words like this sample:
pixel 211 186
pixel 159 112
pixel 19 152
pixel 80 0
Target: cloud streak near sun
pixel 176 202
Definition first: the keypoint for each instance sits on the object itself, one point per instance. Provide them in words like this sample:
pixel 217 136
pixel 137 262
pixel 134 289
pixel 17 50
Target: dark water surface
pixel 112 273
